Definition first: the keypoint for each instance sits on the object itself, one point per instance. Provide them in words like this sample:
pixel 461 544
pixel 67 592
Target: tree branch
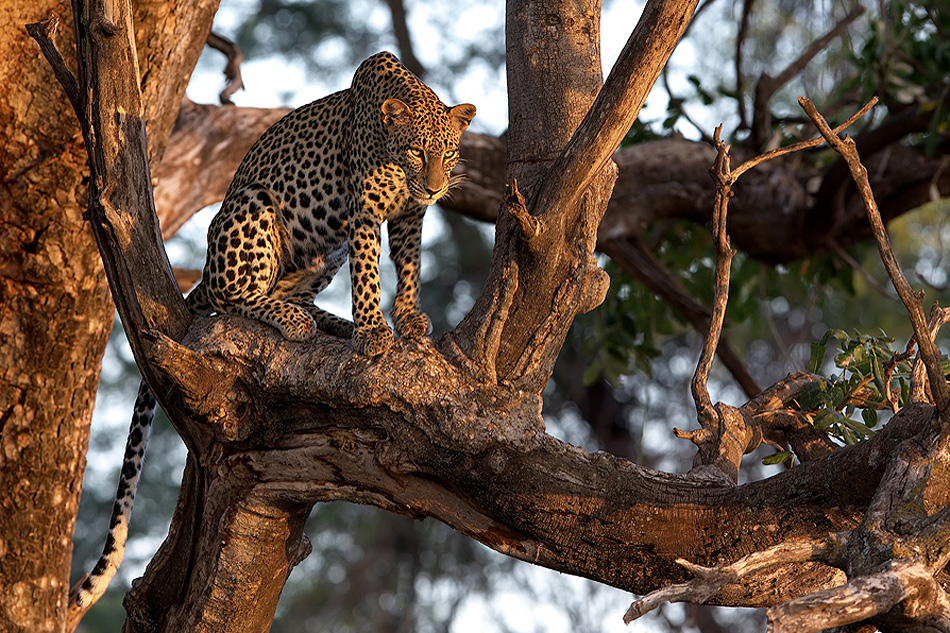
pixel 862 599
pixel 407 55
pixel 618 104
pixel 232 70
pixel 45 35
pixel 912 300
pixel 120 197
pixel 707 581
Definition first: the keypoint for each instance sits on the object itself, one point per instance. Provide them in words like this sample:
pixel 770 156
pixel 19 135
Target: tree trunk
pixel 56 316
pixel 56 312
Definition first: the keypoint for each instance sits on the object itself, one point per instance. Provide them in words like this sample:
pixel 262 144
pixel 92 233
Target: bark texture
pixel 55 316
pixel 450 428
pixel 56 313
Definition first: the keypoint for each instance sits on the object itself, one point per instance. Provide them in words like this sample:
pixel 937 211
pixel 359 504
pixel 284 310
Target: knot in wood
pixel 497 462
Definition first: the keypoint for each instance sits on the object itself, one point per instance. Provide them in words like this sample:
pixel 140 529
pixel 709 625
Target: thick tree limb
pixel 495 479
pixel 120 173
pixel 617 105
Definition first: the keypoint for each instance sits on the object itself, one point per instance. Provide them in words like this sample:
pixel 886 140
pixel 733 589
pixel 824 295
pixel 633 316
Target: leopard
pixel 311 193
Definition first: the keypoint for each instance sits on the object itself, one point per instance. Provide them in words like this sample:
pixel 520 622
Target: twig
pixel 45 35
pixel 768 85
pixel 708 581
pixel 723 177
pixel 929 353
pixel 855 265
pixel 889 368
pixel 781 151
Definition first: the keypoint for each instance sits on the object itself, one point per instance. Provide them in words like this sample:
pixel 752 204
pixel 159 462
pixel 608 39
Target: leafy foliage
pixel 906 60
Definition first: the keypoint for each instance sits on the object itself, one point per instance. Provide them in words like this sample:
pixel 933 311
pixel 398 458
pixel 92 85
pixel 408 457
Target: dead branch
pixel 708 581
pixel 866 597
pixel 919 386
pixel 232 70
pixel 913 301
pixel 722 176
pixel 725 434
pixel 45 35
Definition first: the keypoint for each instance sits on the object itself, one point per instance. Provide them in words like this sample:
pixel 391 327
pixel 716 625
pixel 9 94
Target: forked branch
pixel 726 434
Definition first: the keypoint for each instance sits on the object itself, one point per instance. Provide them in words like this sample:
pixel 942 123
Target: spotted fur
pixel 315 188
pixel 312 191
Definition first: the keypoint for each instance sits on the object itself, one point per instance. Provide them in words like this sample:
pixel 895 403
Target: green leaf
pixel 817 356
pixel 826 418
pixel 778 458
pixel 870 417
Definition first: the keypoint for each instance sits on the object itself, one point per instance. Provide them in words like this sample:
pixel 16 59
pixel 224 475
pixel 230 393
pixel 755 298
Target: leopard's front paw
pixel 412 325
pixel 373 340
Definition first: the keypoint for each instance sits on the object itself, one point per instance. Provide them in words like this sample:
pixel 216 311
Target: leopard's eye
pixel 416 152
pixel 449 154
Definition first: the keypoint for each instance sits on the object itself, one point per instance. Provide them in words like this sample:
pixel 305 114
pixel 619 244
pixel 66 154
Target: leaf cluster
pixel 872 376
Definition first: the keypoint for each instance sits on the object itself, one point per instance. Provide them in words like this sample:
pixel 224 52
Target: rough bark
pixel 56 314
pixel 449 428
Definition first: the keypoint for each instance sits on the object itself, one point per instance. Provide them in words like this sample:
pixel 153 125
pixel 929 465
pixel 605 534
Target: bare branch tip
pixel 515 204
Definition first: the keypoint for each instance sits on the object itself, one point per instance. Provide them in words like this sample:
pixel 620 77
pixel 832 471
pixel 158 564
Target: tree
pixel 57 314
pixel 455 433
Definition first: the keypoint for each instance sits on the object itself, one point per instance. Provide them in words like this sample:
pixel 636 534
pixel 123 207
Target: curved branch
pixel 911 299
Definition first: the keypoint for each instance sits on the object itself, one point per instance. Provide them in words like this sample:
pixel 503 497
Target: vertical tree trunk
pixel 55 311
pixel 55 316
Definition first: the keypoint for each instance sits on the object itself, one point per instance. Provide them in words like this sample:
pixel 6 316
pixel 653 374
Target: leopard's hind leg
pixel 245 245
pixel 303 289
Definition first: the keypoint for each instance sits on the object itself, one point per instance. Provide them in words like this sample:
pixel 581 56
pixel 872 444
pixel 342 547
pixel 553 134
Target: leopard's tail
pixel 87 592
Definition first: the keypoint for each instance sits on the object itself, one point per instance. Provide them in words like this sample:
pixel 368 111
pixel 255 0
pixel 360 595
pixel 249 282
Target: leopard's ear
pixel 395 112
pixel 461 115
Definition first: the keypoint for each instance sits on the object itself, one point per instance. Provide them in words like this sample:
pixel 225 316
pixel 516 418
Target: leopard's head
pixel 423 140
